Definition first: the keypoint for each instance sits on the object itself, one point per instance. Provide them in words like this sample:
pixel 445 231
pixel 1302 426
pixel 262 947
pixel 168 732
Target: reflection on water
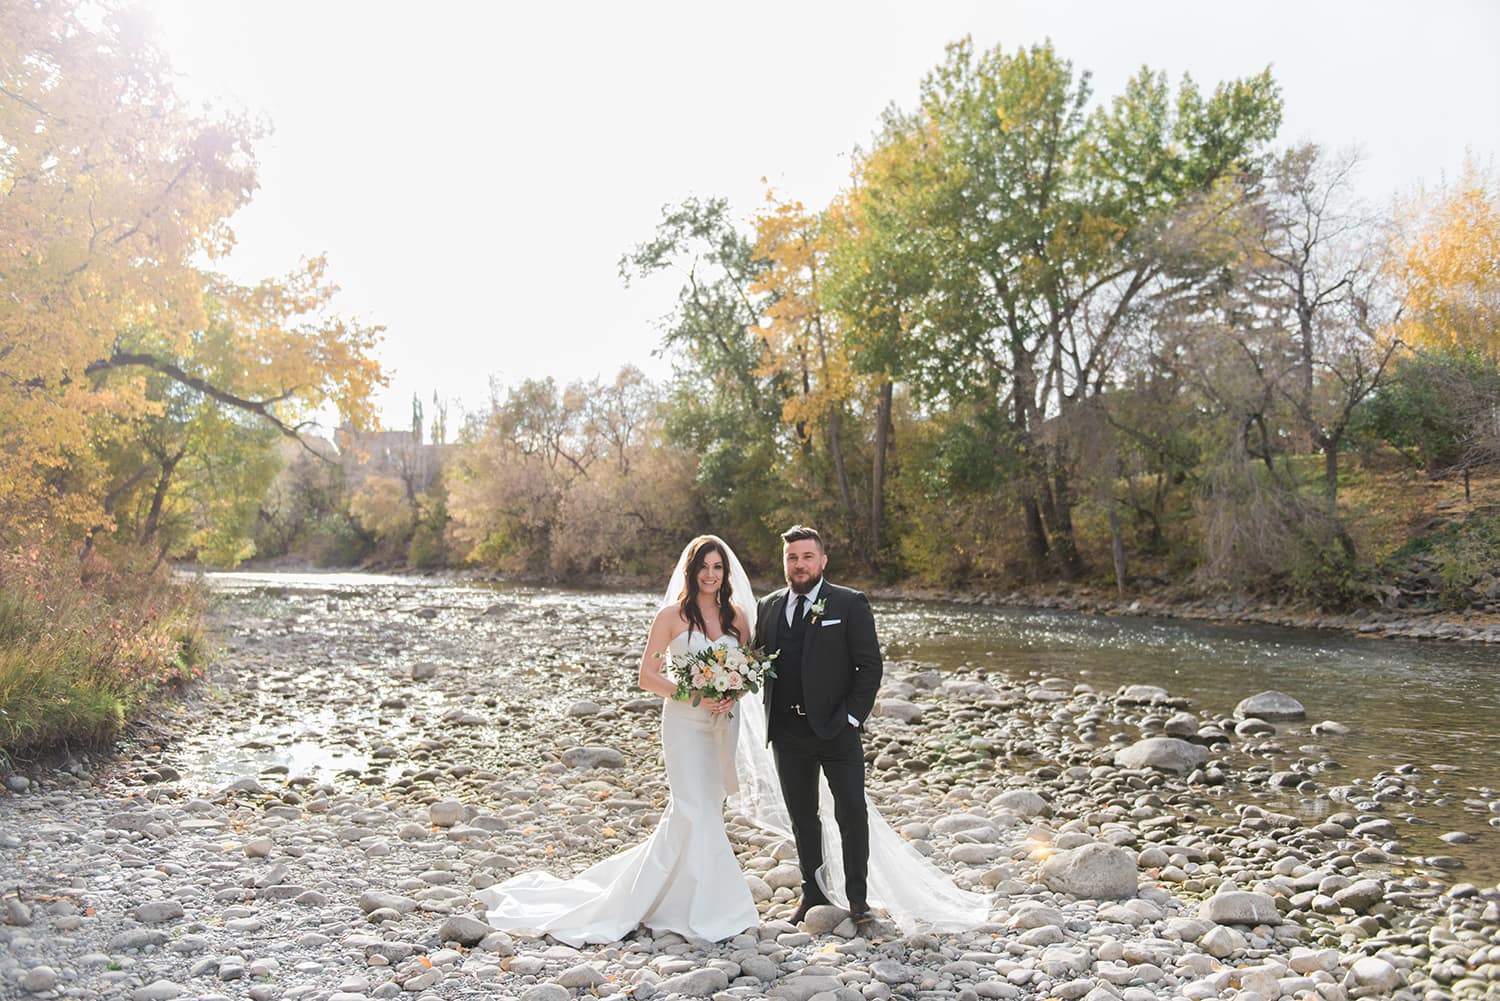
pixel 216 765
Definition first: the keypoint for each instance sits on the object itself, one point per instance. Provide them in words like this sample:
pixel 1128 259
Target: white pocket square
pixel 830 622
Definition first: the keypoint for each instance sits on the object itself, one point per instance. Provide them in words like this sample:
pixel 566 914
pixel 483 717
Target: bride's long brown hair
pixel 687 602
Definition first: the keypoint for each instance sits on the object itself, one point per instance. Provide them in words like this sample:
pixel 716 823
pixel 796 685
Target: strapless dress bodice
pixel 693 641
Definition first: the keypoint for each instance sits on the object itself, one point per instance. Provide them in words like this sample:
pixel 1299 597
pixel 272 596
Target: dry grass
pixel 80 651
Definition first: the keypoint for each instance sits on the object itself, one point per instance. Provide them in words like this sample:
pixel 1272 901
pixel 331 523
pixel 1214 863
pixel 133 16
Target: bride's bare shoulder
pixel 669 614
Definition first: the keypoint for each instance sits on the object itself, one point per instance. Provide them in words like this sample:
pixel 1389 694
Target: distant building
pixel 398 454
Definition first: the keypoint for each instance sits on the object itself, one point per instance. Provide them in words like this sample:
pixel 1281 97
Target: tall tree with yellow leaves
pixel 112 191
pixel 1448 264
pixel 803 345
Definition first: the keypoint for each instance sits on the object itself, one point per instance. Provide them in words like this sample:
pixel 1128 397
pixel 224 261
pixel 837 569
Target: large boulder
pixel 1270 706
pixel 1094 872
pixel 1167 754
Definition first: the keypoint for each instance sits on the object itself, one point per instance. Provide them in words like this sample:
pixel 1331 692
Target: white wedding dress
pixel 683 878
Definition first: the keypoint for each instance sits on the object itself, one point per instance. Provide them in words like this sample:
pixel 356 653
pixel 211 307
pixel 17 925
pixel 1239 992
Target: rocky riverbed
pixel 312 822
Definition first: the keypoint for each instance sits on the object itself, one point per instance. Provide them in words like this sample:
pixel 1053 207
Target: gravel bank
pixel 312 823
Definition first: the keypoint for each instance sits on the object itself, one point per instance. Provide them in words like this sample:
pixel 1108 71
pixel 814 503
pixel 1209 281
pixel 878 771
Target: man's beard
pixel 805 588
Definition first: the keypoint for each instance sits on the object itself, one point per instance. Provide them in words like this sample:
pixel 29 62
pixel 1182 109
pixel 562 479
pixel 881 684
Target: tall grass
pixel 82 647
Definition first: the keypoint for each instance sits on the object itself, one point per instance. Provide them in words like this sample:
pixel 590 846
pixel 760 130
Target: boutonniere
pixel 815 610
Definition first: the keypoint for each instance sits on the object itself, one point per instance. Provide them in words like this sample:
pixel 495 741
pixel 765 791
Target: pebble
pixel 1240 907
pixel 39 980
pixel 157 912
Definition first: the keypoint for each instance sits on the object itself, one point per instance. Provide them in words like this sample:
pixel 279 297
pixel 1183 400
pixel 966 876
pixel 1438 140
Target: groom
pixel 827 672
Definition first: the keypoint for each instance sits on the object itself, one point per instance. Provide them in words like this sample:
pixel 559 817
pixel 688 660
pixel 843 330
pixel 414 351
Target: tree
pixel 573 481
pixel 1051 224
pixel 1447 253
pixel 879 277
pixel 1316 268
pixel 720 407
pixel 1440 408
pixel 620 415
pixel 804 349
pixel 112 190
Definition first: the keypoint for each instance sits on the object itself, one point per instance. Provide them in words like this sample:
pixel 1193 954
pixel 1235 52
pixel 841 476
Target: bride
pixel 684 878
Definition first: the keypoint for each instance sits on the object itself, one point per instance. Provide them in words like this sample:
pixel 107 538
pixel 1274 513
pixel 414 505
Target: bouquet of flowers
pixel 719 672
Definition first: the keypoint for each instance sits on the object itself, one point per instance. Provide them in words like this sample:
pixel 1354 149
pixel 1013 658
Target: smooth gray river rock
pixel 39 980
pixel 157 912
pixel 446 814
pixel 1270 705
pixel 1092 871
pixel 1360 895
pixel 696 983
pixel 160 990
pixel 1374 975
pixel 581 976
pixel 1222 942
pixel 1022 803
pixel 899 709
pixel 593 757
pixel 1163 753
pixel 1141 695
pixel 1241 907
pixel 375 900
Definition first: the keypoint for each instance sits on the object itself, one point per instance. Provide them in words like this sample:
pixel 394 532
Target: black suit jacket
pixel 841 664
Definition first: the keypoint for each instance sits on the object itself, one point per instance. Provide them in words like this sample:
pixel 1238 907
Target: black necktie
pixel 801 605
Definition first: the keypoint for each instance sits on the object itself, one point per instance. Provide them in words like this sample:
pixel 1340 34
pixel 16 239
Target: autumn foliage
pixel 141 393
pixel 112 193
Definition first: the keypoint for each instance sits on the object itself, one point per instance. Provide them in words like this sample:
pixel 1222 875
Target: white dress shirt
pixel 791 601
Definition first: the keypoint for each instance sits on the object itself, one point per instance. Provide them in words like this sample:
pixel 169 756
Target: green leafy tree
pixel 1439 409
pixel 1051 227
pixel 720 405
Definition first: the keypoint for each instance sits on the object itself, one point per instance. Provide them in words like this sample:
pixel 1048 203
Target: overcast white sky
pixel 475 170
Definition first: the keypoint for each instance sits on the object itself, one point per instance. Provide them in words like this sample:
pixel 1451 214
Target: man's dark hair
pixel 799 533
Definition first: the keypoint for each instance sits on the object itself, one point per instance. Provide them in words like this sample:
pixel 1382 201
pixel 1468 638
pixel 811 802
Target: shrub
pixel 81 651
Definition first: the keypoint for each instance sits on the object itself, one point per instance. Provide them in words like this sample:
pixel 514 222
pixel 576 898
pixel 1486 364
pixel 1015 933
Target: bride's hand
pixel 719 707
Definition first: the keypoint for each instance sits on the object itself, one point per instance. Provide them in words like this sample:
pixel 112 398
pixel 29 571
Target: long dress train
pixel 683 878
pixel 915 894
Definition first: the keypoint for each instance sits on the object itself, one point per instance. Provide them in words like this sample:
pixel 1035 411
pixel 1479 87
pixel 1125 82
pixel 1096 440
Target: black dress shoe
pixel 863 917
pixel 806 905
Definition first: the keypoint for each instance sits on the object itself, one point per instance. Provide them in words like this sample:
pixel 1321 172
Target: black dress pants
pixel 800 756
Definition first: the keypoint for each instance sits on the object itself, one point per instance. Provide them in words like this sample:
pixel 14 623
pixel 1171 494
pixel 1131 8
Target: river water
pixel 1431 709
pixel 1430 706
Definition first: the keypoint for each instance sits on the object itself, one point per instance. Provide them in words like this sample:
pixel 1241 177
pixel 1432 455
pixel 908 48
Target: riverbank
pixel 1478 624
pixel 313 821
pixel 1468 626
